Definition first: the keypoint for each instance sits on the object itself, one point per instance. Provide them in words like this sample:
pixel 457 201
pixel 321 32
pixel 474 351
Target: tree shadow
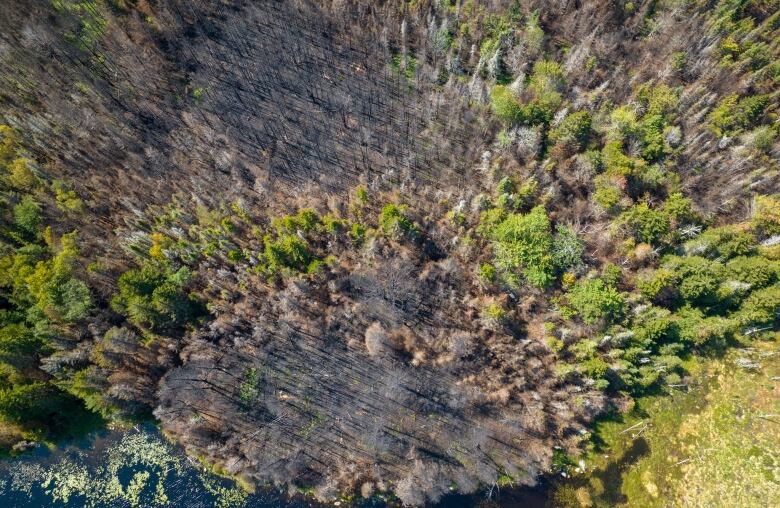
pixel 612 476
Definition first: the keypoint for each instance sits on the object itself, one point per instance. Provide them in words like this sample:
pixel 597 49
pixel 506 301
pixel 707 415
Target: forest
pixel 381 250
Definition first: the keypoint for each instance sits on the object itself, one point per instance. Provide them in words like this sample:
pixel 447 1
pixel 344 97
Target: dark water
pixel 139 469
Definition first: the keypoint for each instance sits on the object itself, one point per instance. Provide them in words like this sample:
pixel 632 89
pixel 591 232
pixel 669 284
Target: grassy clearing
pixel 714 444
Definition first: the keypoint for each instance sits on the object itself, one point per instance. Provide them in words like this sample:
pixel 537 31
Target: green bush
pixel 505 105
pixel 567 249
pixel 306 220
pixel 395 223
pixel 659 286
pixel 758 55
pixel 593 301
pixel 761 308
pixel 155 298
pixel 733 114
pixel 646 224
pixel 524 243
pixel 679 209
pixel 287 251
pixel 722 242
pixel 654 327
pixel 623 123
pixel 617 163
pixel 547 77
pixel 698 279
pixel 27 216
pixel 757 271
pixel 698 330
pixel 574 130
pixel 607 196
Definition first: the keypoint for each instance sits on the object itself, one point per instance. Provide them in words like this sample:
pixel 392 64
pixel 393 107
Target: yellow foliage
pixel 21 176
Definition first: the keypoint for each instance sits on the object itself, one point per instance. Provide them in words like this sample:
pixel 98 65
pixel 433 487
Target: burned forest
pixel 384 250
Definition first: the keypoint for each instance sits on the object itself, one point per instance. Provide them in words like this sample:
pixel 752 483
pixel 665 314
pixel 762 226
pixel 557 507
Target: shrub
pixel 617 163
pixel 658 99
pixel 395 223
pixel 654 327
pixel 697 330
pixel 505 105
pixel 249 390
pixel 21 176
pixel 524 243
pixel 66 198
pixel 623 123
pixel 679 61
pixel 55 293
pixel 733 114
pixel 607 196
pixel 8 144
pixel 27 216
pixel 722 242
pixel 766 215
pixel 32 405
pixel 486 273
pixel 494 313
pixel 762 138
pixel 761 308
pixel 567 249
pixel 679 209
pixel 547 77
pixel 754 270
pixel 574 130
pixel 287 251
pixel 357 232
pixel 593 300
pixel 646 224
pixel 306 220
pixel 155 298
pixel 758 55
pixel 697 278
pixel 659 286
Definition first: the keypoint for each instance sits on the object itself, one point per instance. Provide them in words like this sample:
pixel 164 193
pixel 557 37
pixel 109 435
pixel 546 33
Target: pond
pixel 138 468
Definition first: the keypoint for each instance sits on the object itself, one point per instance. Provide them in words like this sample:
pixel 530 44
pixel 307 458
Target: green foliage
pixel 723 242
pixel 698 330
pixel 156 298
pixel 567 249
pixel 607 196
pixel 306 220
pixel 21 176
pixel 754 270
pixel 594 301
pixel 27 216
pixel 249 390
pixel 545 86
pixel 574 130
pixel 494 312
pixel 357 232
pixel 32 404
pixel 487 273
pixel 395 223
pixel 766 215
pixel 66 198
pixel 505 105
pixel 623 123
pixel 697 279
pixel 679 61
pixel 646 224
pixel 523 243
pixel 547 77
pixel 761 308
pixel 733 114
pixel 286 251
